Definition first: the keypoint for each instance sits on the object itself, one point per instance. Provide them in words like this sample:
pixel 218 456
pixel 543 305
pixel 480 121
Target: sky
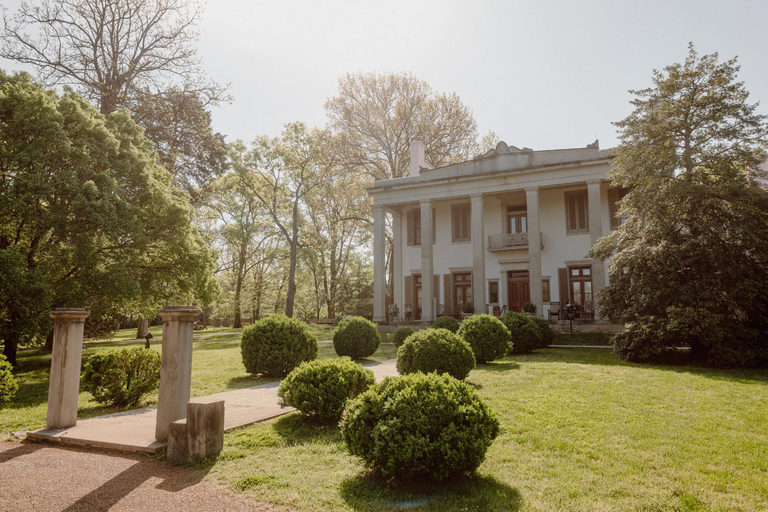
pixel 543 74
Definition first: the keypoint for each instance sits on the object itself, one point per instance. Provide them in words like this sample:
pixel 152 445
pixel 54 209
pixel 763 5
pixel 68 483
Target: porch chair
pixel 554 310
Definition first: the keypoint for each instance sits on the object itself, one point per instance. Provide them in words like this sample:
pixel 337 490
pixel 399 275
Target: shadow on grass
pixel 503 365
pixel 296 429
pixel 372 493
pixel 248 381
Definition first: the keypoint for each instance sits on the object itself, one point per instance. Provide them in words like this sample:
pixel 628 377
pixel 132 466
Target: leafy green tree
pixel 88 217
pixel 693 249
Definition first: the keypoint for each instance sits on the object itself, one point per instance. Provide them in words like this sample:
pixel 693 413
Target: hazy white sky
pixel 542 74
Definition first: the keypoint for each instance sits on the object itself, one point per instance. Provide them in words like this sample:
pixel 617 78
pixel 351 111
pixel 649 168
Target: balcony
pixel 510 242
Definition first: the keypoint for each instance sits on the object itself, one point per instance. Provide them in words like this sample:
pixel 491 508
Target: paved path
pixel 135 430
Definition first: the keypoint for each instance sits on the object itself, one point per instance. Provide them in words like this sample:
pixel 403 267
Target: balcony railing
pixel 510 241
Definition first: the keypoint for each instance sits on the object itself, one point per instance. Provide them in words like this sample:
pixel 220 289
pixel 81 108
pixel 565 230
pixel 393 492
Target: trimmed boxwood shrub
pixel 446 322
pixel 122 377
pixel 401 334
pixel 320 389
pixel 275 345
pixel 435 350
pixel 419 425
pixel 545 330
pixel 524 331
pixel 8 383
pixel 356 337
pixel 487 335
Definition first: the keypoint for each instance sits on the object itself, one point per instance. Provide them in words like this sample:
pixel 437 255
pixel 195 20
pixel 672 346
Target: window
pixel 576 212
pixel 460 223
pixel 545 290
pixel 581 285
pixel 462 289
pixel 517 220
pixel 413 225
pixel 614 196
pixel 493 292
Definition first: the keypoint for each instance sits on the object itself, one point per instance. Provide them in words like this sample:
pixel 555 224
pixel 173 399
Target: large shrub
pixel 321 388
pixel 545 330
pixel 487 335
pixel 8 383
pixel 356 337
pixel 401 334
pixel 419 425
pixel 524 331
pixel 275 345
pixel 435 350
pixel 446 322
pixel 122 377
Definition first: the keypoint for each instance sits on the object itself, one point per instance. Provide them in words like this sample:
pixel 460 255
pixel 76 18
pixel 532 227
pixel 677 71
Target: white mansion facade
pixel 508 227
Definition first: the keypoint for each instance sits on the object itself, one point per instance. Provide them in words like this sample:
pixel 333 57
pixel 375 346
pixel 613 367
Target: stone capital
pixel 179 313
pixel 72 314
pixel 531 190
pixel 425 202
pixel 594 183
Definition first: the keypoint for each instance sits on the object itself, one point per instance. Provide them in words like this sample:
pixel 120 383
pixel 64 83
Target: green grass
pixel 580 431
pixel 216 366
pixel 583 339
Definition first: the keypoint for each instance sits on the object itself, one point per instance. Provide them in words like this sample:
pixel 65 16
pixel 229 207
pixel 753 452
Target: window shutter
pixel 456 228
pixel 448 304
pixel 562 278
pixel 408 289
pixel 465 223
pixel 409 226
pixel 572 212
pixel 582 201
pixel 434 226
pixel 436 287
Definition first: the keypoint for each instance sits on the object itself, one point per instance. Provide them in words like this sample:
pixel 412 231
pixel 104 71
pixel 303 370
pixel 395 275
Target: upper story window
pixel 616 194
pixel 576 212
pixel 517 220
pixel 460 217
pixel 413 226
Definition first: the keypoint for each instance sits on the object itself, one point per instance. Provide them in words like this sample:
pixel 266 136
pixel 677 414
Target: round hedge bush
pixel 446 322
pixel 524 331
pixel 419 425
pixel 122 377
pixel 545 330
pixel 401 334
pixel 275 345
pixel 487 335
pixel 320 389
pixel 8 383
pixel 356 337
pixel 435 350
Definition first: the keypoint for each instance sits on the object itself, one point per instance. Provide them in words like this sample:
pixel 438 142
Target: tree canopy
pixel 690 262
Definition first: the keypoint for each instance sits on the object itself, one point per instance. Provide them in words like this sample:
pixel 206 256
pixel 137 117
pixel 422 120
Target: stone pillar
pixel 64 383
pixel 397 255
pixel 534 248
pixel 477 234
pixel 427 266
pixel 379 267
pixel 594 200
pixel 176 369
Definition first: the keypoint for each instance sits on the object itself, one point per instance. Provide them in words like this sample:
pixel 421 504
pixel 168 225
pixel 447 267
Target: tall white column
pixel 379 267
pixel 534 248
pixel 64 383
pixel 594 199
pixel 397 255
pixel 478 253
pixel 176 369
pixel 427 265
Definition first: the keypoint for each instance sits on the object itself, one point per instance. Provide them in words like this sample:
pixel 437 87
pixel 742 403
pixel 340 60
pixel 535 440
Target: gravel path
pixel 39 477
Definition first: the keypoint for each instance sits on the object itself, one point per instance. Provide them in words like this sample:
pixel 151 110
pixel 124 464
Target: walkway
pixel 134 431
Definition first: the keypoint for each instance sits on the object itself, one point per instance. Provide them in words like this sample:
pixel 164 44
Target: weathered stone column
pixel 397 256
pixel 379 268
pixel 594 200
pixel 64 383
pixel 534 248
pixel 477 234
pixel 176 370
pixel 427 264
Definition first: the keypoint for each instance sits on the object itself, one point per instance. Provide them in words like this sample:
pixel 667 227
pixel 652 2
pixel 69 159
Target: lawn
pixel 580 431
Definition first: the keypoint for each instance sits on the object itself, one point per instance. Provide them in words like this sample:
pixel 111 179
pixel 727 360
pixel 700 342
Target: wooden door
pixel 519 290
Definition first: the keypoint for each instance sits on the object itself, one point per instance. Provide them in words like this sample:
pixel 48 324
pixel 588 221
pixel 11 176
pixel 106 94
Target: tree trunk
pixel 238 288
pixel 11 346
pixel 49 342
pixel 143 328
pixel 294 255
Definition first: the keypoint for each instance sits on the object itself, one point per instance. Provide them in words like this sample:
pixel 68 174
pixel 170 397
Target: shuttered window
pixel 460 223
pixel 413 222
pixel 576 212
pixel 615 195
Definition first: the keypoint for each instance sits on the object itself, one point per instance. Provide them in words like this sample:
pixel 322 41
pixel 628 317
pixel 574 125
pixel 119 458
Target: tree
pixel 690 262
pixel 88 217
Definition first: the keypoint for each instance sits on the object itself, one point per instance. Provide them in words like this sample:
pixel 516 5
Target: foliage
pixel 320 389
pixel 529 307
pixel 133 245
pixel 275 345
pixel 420 425
pixel 401 334
pixel 526 335
pixel 8 383
pixel 435 350
pixel 122 377
pixel 545 331
pixel 468 307
pixel 356 337
pixel 695 236
pixel 487 335
pixel 446 322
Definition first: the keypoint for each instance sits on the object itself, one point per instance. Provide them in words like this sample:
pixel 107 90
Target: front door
pixel 417 297
pixel 519 290
pixel 462 290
